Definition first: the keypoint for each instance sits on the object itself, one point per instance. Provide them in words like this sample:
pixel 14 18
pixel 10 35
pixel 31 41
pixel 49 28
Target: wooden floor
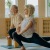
pixel 4 42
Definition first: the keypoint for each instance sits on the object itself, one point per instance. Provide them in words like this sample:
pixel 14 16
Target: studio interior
pixel 37 15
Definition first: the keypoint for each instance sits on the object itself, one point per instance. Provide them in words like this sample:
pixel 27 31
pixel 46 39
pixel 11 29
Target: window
pixel 35 3
pixel 47 8
pixel 8 4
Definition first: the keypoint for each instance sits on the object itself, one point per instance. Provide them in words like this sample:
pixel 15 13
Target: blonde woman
pixel 27 32
pixel 16 19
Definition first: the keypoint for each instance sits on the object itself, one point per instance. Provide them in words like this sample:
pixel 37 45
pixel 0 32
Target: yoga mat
pixel 26 45
pixel 31 45
pixel 9 47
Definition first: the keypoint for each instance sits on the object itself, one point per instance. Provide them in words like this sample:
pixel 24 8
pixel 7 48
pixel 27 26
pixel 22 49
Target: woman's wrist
pixel 21 32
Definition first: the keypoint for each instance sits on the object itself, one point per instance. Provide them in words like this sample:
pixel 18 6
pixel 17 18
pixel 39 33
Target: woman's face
pixel 26 11
pixel 13 10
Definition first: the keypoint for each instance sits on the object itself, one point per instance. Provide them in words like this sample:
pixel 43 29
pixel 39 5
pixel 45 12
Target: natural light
pixel 35 3
pixel 12 2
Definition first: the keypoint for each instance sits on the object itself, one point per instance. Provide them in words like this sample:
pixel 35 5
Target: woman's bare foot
pixel 23 48
pixel 8 37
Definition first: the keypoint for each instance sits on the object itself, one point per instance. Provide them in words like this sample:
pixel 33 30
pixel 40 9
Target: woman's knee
pixel 11 31
pixel 35 35
pixel 14 34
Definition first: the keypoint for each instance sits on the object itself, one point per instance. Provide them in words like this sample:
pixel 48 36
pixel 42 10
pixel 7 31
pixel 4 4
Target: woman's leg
pixel 35 39
pixel 39 40
pixel 46 38
pixel 11 31
pixel 19 38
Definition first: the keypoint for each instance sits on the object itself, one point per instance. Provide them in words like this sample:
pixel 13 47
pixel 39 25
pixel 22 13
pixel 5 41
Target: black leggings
pixel 34 39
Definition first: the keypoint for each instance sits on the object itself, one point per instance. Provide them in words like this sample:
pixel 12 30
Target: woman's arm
pixel 11 25
pixel 18 28
pixel 19 19
pixel 29 25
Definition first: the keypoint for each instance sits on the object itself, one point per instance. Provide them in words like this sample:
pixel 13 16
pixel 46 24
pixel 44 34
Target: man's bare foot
pixel 23 48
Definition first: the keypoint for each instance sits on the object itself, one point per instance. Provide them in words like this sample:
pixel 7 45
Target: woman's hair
pixel 31 9
pixel 16 7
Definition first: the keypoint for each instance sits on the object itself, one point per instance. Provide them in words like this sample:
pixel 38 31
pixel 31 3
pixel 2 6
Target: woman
pixel 16 19
pixel 27 32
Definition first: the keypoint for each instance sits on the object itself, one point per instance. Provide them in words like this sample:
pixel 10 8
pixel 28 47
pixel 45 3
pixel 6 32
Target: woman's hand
pixel 29 25
pixel 18 29
pixel 19 33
